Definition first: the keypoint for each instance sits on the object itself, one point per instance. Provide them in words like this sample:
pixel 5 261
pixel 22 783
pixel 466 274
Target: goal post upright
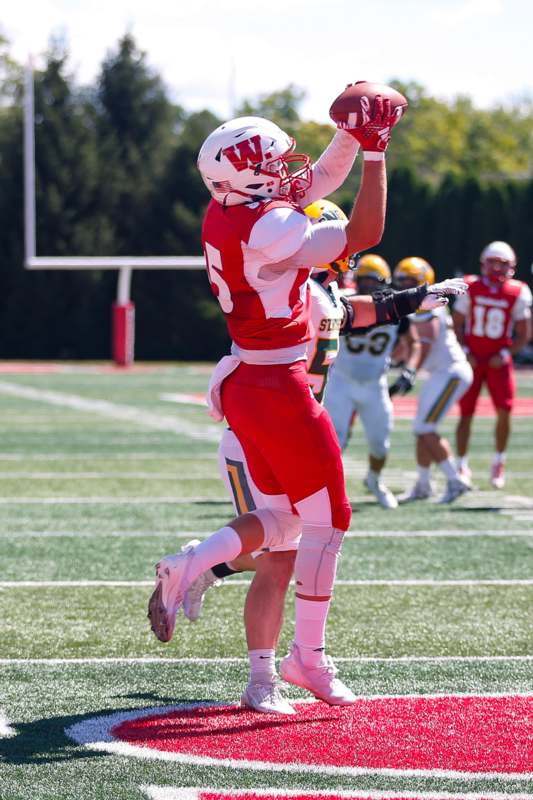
pixel 123 310
pixel 29 163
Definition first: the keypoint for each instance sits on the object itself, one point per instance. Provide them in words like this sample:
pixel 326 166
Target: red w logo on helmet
pixel 245 153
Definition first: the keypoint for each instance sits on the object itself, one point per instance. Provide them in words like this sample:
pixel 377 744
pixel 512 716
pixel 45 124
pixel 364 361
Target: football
pixel 353 107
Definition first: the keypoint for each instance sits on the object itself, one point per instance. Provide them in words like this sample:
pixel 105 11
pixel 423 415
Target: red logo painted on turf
pixel 465 734
pixel 189 793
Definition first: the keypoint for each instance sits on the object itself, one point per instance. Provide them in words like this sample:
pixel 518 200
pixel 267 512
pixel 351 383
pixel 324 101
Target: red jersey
pixel 262 315
pixel 490 311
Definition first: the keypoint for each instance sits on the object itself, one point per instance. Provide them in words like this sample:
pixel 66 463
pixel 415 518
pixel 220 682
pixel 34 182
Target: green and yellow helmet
pixel 414 270
pixel 372 266
pixel 322 210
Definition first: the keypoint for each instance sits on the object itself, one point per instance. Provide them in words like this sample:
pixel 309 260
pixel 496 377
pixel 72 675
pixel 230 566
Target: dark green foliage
pixel 116 174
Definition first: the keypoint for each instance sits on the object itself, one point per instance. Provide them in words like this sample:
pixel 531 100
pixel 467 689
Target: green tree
pixel 282 107
pixel 436 138
pixel 137 125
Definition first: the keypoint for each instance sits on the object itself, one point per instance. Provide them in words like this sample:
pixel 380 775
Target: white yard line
pixel 112 501
pixel 5 728
pixel 60 584
pixel 147 660
pixel 437 534
pixel 119 411
pixel 175 476
pixel 180 500
pixel 76 476
pixel 101 456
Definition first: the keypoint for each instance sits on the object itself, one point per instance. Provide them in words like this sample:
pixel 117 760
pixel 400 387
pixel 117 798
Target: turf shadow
pixel 44 741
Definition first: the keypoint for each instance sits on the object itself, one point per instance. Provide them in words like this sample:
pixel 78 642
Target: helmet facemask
pixel 497 270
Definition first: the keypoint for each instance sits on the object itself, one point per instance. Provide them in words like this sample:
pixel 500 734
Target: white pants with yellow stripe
pixel 438 394
pixel 244 494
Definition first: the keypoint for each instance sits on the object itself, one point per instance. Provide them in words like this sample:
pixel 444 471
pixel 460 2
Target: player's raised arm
pixel 368 112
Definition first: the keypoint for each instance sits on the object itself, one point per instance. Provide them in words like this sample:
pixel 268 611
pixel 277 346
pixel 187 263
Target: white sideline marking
pixel 186 399
pixel 147 660
pixel 95 734
pixel 241 582
pixel 195 793
pixel 437 534
pixel 113 501
pixel 76 476
pixel 100 456
pixel 120 411
pixel 135 500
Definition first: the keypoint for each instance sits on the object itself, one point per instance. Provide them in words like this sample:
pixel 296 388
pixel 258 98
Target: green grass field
pixel 100 476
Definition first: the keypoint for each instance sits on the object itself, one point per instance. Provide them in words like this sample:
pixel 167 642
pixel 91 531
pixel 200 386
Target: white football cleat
pixel 420 491
pixel 454 489
pixel 497 476
pixel 193 598
pixel 465 473
pixel 383 495
pixel 167 597
pixel 320 681
pixel 266 698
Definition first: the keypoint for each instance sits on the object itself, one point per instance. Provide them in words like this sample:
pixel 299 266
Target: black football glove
pixel 404 383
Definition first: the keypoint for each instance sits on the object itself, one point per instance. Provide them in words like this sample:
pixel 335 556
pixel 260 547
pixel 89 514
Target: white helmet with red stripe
pixel 498 262
pixel 249 158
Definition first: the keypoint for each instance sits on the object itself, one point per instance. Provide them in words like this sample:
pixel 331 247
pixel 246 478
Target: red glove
pixel 375 134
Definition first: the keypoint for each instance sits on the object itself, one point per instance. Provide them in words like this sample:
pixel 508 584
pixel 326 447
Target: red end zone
pixel 441 735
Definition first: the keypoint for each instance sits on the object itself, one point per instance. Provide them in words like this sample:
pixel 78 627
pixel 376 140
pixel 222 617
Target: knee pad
pixel 280 527
pixel 316 561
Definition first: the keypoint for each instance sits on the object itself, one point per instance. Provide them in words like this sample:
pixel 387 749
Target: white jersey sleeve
pixel 279 233
pixel 462 304
pixel 287 239
pixel 522 307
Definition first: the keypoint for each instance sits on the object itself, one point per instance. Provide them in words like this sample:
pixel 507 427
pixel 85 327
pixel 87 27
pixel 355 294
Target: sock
pixel 310 630
pixel 499 458
pixel 223 570
pixel 462 462
pixel 223 545
pixel 424 474
pixel 262 665
pixel 373 474
pixel 448 467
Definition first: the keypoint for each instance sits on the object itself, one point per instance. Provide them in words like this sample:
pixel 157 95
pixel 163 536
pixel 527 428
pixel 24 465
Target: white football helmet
pixel 498 262
pixel 248 158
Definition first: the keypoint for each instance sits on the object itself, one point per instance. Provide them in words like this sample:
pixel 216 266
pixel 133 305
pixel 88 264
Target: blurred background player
pixel 449 376
pixel 358 380
pixel 493 322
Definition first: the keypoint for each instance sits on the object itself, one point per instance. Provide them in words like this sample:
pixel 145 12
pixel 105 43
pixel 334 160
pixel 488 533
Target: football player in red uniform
pixel 492 321
pixel 260 248
pixel 333 316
